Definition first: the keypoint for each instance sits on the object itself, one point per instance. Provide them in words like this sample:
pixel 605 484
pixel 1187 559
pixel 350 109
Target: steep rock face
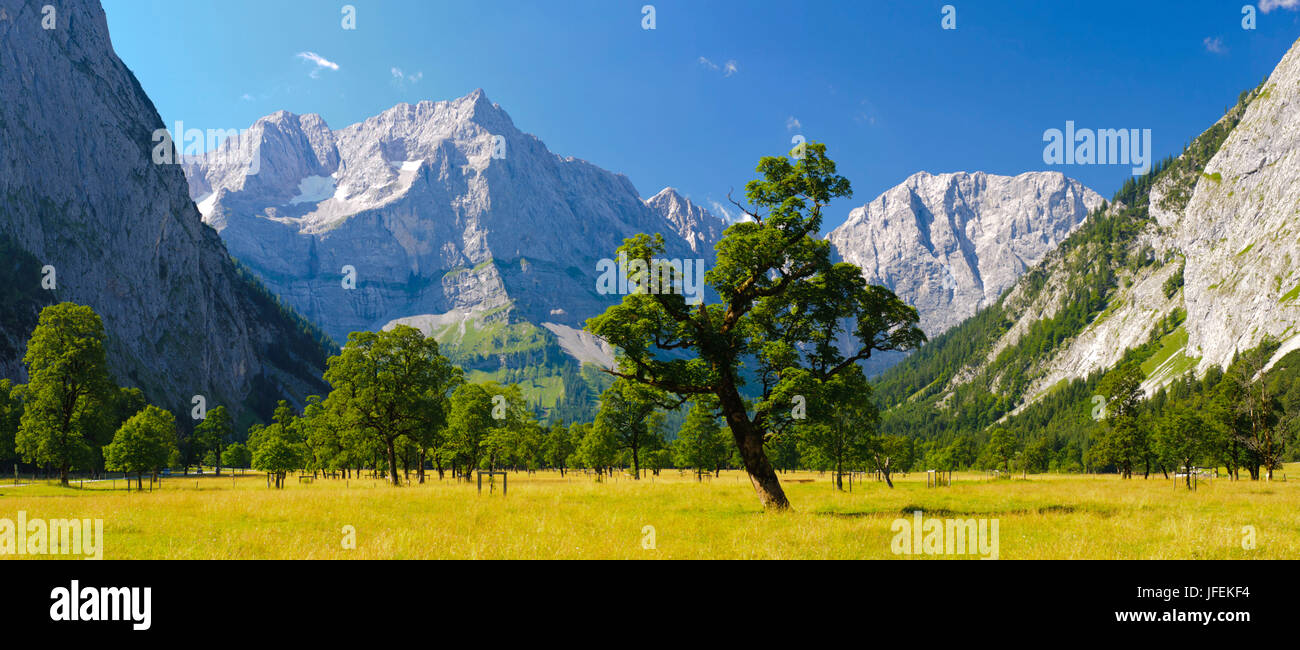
pixel 81 193
pixel 442 209
pixel 692 223
pixel 1240 232
pixel 1186 268
pixel 951 244
pixel 1230 225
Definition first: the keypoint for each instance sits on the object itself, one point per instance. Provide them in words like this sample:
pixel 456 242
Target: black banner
pixel 908 599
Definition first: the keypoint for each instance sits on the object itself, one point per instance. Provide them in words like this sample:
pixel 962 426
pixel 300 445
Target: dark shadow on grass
pixel 1055 509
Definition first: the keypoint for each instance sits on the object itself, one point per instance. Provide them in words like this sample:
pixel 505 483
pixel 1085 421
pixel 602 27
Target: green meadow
pixel 671 516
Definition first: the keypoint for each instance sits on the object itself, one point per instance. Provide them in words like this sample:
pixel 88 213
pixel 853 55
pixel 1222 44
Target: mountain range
pixel 450 217
pixel 456 222
pixel 446 216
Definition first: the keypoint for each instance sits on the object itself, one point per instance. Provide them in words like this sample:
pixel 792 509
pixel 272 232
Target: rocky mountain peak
pixel 950 244
pixel 692 222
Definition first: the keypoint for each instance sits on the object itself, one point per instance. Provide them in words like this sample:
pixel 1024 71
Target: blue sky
pixel 696 101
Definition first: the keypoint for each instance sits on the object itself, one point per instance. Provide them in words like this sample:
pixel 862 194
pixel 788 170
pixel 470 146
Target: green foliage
pixel 144 443
pixel 212 434
pixel 1182 437
pixel 580 387
pixel 1003 446
pixel 891 453
pixel 783 308
pixel 278 448
pixel 1123 442
pixel 632 414
pixel 491 426
pixel 391 385
pixel 236 455
pixel 701 443
pixel 1175 282
pixel 68 388
pixel 11 413
pixel 841 420
pixel 277 456
pixel 598 449
pixel 559 446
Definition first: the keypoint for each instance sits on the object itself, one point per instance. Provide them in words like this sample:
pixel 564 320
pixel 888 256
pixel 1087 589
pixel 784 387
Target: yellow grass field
pixel 546 516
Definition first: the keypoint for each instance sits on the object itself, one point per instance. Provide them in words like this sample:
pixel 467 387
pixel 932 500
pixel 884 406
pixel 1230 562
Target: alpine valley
pixel 454 221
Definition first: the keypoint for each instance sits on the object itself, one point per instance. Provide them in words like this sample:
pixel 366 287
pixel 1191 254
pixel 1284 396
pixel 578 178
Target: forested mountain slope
pixel 1184 268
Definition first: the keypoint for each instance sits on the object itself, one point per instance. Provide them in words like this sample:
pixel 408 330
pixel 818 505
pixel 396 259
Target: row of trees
pixel 70 414
pixel 396 405
pixel 1242 418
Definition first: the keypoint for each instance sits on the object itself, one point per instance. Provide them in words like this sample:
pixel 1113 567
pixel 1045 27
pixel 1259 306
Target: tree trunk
pixel 636 465
pixel 392 463
pixel 750 444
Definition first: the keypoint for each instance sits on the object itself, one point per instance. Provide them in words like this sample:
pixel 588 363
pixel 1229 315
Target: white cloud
pixel 1215 45
pixel 865 113
pixel 401 78
pixel 321 63
pixel 792 123
pixel 246 97
pixel 722 212
pixel 729 68
pixel 1269 5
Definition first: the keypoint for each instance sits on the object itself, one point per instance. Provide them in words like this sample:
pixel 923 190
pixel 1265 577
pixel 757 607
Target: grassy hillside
pixel 493 346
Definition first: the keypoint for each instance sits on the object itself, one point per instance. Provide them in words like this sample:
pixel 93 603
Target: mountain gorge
pixel 85 207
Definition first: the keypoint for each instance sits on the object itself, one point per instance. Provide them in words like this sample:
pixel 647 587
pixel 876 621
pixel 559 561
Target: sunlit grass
pixel 546 516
